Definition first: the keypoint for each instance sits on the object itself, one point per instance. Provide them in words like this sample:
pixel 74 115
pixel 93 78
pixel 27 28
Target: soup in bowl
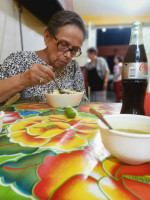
pixel 129 140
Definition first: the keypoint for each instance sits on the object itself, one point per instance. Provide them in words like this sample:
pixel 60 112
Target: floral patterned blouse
pixel 69 78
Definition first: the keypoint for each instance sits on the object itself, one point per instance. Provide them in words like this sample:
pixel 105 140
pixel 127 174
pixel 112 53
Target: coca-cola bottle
pixel 134 73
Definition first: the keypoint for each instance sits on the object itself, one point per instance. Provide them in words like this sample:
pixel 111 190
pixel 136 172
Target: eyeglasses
pixel 62 46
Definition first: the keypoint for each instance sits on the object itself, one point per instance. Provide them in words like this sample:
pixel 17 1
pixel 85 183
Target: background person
pixel 117 77
pixel 97 76
pixel 31 73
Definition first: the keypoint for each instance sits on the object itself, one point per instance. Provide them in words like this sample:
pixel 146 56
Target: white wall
pixel 32 29
pixel 9 29
pixel 82 60
pixel 89 42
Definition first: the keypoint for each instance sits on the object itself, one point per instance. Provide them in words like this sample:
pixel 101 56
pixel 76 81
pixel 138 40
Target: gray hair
pixel 92 50
pixel 62 18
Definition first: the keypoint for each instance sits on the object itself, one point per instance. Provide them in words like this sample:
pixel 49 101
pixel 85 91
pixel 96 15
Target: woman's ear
pixel 46 37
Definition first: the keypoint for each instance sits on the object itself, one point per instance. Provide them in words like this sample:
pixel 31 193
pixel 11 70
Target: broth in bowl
pixel 132 131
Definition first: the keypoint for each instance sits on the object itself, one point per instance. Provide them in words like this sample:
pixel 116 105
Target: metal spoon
pixel 59 90
pixel 10 101
pixel 100 116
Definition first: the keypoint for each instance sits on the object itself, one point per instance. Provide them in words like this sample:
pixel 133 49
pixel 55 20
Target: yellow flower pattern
pixel 54 132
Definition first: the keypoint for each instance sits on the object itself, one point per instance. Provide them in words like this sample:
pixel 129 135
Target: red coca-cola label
pixel 135 71
pixel 143 66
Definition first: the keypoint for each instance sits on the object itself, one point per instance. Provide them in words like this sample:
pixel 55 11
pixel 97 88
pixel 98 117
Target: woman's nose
pixel 68 54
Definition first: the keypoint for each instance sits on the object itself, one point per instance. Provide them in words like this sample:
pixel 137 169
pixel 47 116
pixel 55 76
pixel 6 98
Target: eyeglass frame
pixel 69 49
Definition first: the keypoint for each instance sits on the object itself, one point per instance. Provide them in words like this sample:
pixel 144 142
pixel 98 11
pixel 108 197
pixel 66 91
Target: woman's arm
pixel 105 80
pixel 11 86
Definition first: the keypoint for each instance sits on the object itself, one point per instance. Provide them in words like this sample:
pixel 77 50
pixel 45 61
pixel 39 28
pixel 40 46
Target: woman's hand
pixel 105 85
pixel 105 80
pixel 38 74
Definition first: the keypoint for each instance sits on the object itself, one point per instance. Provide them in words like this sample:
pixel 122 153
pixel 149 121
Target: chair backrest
pixel 84 72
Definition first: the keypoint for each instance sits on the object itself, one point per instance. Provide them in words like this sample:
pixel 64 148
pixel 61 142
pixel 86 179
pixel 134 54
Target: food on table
pixel 70 112
pixel 66 92
pixel 131 147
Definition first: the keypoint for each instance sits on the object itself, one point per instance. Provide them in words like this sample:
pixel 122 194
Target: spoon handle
pixel 100 116
pixel 59 90
pixel 56 84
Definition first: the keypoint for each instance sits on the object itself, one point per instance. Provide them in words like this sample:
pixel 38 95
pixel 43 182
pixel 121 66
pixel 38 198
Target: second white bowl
pixel 131 148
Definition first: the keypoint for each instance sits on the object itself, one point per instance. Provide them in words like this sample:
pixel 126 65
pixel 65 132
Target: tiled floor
pixel 110 97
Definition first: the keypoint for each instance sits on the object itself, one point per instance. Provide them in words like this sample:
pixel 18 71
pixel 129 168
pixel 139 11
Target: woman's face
pixel 91 56
pixel 116 61
pixel 69 35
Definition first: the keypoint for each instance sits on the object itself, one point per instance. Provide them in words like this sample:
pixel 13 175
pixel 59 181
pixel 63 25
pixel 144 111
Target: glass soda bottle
pixel 134 73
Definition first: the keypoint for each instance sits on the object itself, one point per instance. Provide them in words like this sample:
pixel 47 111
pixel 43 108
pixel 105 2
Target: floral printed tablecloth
pixel 44 155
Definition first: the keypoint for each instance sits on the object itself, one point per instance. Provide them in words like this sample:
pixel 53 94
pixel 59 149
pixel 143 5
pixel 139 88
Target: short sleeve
pixel 102 67
pixel 9 68
pixel 105 65
pixel 79 82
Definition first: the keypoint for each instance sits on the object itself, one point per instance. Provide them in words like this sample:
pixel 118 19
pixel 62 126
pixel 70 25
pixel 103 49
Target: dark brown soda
pixel 135 53
pixel 134 90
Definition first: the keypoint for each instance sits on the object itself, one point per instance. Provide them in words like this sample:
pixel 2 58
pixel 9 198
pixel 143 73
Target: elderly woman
pixel 32 73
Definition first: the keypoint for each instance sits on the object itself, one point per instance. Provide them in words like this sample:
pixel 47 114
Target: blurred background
pixel 22 23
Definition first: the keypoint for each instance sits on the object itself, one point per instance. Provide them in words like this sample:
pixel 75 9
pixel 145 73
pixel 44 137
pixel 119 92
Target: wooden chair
pixel 87 88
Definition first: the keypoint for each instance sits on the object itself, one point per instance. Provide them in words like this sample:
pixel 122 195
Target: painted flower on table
pixel 56 132
pixel 80 175
pixel 10 117
pixel 32 106
pixel 103 108
pixel 125 181
pixel 21 173
pixel 69 176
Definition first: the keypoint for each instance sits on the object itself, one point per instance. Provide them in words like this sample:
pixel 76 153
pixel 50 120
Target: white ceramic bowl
pixel 130 148
pixel 64 100
pixel 1 119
